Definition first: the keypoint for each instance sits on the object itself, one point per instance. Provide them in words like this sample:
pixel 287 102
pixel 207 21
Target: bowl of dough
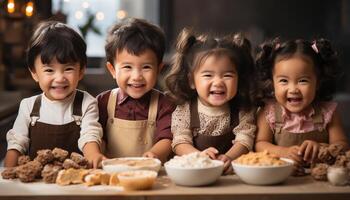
pixel 193 169
pixel 262 168
pixel 130 164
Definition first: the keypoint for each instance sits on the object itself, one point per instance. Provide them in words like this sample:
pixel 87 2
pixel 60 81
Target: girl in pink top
pixel 297 80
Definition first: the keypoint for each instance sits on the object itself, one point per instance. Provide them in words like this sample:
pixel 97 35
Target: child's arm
pixel 336 132
pixel 264 140
pixel 236 150
pixel 11 158
pixel 184 148
pixel 93 154
pixel 160 150
pixel 91 131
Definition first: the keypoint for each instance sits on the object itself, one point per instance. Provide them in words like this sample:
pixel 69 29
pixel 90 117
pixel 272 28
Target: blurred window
pixel 92 18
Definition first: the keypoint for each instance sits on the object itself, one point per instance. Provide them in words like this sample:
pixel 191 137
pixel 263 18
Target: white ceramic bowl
pixel 114 165
pixel 263 175
pixel 194 176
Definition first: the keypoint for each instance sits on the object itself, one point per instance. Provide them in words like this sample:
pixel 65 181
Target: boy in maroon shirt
pixel 135 117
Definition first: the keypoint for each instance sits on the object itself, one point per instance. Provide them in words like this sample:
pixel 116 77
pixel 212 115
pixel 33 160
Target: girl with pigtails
pixel 297 82
pixel 210 83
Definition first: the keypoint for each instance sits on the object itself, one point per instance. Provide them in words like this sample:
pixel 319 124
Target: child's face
pixel 295 83
pixel 215 81
pixel 135 74
pixel 57 80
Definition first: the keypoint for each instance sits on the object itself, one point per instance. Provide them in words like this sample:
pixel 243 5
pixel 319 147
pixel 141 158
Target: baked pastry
pixel 79 159
pixel 44 156
pixel 23 159
pixel 96 177
pixel 113 180
pixel 319 172
pixel 71 176
pixel 68 163
pixel 50 172
pixel 9 173
pixel 60 154
pixel 28 172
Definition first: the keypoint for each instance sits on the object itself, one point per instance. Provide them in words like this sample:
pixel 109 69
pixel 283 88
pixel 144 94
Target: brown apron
pixel 49 136
pixel 286 139
pixel 222 143
pixel 130 137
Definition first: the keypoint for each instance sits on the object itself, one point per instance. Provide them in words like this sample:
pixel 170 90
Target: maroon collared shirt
pixel 128 108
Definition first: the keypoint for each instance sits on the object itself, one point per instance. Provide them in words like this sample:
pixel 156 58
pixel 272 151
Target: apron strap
pixel 234 116
pixel 77 107
pixel 194 117
pixel 112 101
pixel 35 114
pixel 278 118
pixel 153 108
pixel 317 118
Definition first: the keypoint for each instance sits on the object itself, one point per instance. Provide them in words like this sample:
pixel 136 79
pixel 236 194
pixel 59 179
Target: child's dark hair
pixel 53 39
pixel 135 36
pixel 193 50
pixel 319 51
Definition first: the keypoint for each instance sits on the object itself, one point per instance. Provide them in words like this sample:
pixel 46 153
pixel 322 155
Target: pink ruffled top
pixel 300 122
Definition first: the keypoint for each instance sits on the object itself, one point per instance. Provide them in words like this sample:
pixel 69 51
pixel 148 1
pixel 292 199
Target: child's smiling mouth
pixel 294 99
pixel 136 85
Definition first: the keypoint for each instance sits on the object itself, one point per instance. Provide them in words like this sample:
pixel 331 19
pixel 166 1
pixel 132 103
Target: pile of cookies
pixel 47 165
pixel 333 165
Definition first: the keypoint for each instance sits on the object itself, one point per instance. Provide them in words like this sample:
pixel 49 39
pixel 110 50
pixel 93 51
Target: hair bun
pixel 185 40
pixel 325 49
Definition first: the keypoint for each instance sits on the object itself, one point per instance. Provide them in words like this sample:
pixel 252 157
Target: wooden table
pixel 227 187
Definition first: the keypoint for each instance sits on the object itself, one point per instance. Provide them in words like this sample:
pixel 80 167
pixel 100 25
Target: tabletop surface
pixel 227 187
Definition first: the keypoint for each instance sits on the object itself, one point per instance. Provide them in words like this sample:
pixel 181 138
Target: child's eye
pixel 303 81
pixel 147 67
pixel 228 75
pixel 126 67
pixel 206 75
pixel 283 81
pixel 69 69
pixel 48 70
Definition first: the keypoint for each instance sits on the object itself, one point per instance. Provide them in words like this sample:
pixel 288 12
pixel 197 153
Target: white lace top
pixel 214 121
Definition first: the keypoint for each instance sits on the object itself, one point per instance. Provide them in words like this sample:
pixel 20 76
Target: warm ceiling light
pixel 121 14
pixel 11 6
pixel 29 9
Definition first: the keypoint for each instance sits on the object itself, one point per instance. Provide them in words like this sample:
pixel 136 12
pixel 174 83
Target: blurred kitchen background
pixel 257 19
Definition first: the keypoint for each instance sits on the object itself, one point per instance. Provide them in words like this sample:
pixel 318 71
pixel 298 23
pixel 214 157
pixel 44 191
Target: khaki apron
pixel 130 137
pixel 222 143
pixel 286 139
pixel 49 136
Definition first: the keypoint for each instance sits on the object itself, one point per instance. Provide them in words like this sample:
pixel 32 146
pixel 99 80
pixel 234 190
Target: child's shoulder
pixel 164 101
pixel 27 104
pixel 103 96
pixel 87 97
pixel 29 101
pixel 328 108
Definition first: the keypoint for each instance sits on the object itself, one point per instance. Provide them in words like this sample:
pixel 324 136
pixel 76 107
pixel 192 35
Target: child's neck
pixel 213 110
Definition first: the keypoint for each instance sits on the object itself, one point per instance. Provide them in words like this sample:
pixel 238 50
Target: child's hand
pixel 293 153
pixel 211 152
pixel 227 164
pixel 309 150
pixel 95 159
pixel 150 154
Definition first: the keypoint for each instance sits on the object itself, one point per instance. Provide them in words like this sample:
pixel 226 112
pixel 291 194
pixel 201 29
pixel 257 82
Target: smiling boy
pixel 135 117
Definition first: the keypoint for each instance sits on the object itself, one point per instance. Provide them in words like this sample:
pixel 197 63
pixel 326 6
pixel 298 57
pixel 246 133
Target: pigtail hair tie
pixel 314 47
